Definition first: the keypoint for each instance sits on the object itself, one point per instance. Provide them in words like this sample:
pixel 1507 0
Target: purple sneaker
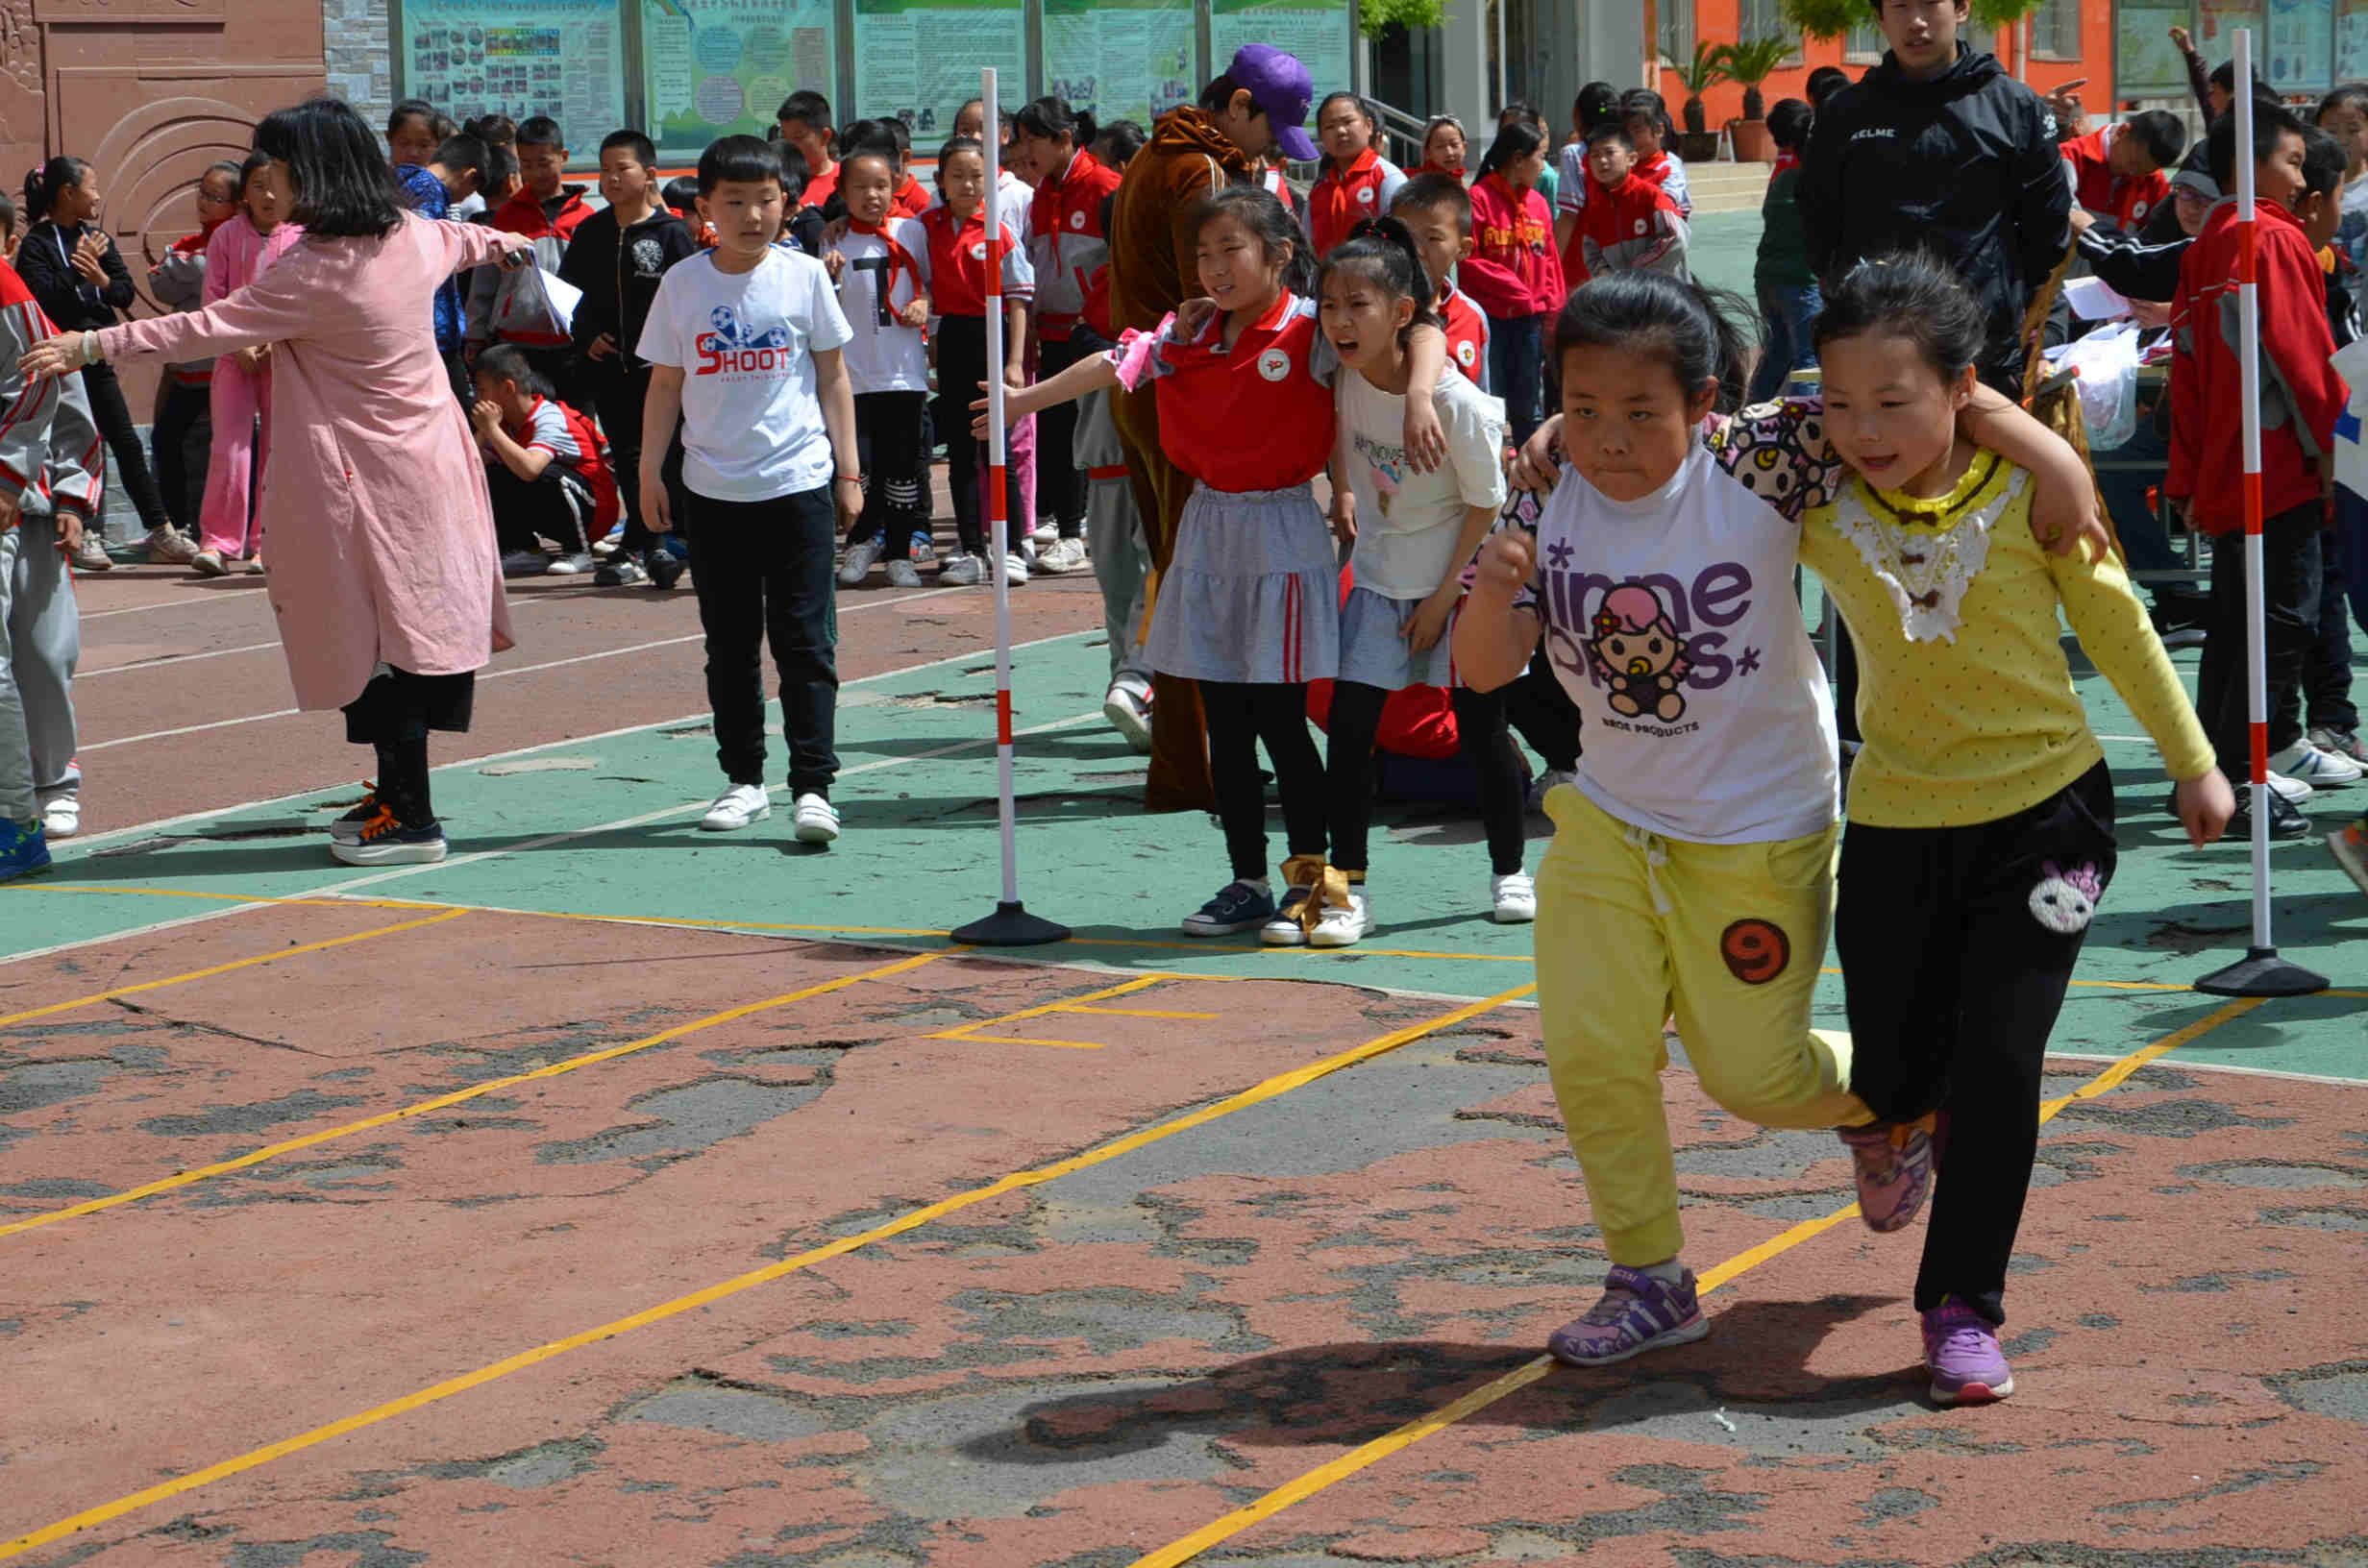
pixel 1962 1349
pixel 1894 1172
pixel 1636 1313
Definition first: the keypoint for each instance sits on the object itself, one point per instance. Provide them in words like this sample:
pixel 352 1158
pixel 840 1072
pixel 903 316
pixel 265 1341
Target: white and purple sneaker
pixel 1636 1313
pixel 1960 1350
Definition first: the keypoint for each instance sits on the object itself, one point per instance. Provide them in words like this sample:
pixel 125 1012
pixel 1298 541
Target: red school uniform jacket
pixel 910 201
pixel 1272 180
pixel 1513 270
pixel 1070 251
pixel 1341 198
pixel 1634 227
pixel 1257 416
pixel 2301 396
pixel 1467 335
pixel 952 258
pixel 2109 195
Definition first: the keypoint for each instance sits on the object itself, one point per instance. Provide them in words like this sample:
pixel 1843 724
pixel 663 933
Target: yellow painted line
pixel 1022 1040
pixel 1134 1012
pixel 441 1102
pixel 1128 988
pixel 1141 944
pixel 236 964
pixel 1278 1085
pixel 1365 1456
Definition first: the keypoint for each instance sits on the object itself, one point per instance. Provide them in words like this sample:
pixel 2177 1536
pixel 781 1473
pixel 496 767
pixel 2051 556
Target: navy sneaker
pixel 1636 1313
pixel 24 849
pixel 1239 906
pixel 383 841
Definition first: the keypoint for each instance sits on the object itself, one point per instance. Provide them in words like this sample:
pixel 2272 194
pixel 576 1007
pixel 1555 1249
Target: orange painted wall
pixel 1715 20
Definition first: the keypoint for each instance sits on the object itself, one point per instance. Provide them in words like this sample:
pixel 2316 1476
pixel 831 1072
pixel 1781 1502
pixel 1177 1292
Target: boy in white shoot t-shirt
pixel 743 343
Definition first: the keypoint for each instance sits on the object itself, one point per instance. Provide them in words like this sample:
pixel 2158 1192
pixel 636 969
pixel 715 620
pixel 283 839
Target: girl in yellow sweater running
pixel 1981 816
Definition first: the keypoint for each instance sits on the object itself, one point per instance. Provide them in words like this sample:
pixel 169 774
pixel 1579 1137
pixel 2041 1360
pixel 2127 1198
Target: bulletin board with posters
pixel 1119 60
pixel 1318 34
pixel 917 61
pixel 2301 56
pixel 519 57
pixel 2352 41
pixel 721 67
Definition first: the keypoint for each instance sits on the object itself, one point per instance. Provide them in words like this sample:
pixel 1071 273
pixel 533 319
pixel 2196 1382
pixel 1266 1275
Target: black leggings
pixel 1240 716
pixel 1060 484
pixel 896 470
pixel 113 419
pixel 394 715
pixel 1537 706
pixel 961 366
pixel 1957 945
pixel 1486 743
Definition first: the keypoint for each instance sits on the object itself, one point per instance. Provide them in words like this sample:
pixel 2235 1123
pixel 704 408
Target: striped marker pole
pixel 2260 973
pixel 1011 925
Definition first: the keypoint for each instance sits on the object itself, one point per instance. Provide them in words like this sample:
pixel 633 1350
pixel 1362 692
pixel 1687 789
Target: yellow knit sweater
pixel 1965 696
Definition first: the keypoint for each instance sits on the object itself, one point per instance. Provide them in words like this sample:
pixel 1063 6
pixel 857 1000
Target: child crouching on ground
pixel 544 467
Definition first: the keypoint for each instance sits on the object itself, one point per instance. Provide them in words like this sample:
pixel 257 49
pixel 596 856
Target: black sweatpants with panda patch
pixel 1958 945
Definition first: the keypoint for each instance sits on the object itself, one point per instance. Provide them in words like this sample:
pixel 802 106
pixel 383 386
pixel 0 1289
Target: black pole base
pixel 2261 972
pixel 1013 926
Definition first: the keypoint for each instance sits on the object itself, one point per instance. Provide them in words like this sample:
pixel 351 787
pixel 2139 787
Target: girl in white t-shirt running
pixel 1413 534
pixel 1692 864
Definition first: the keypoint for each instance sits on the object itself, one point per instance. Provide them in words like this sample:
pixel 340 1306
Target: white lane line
pixel 544 841
pixel 482 676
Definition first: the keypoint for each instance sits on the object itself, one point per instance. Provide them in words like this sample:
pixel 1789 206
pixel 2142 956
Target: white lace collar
pixel 1927 567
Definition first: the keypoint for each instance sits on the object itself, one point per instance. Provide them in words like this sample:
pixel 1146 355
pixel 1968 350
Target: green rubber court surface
pixel 620 1193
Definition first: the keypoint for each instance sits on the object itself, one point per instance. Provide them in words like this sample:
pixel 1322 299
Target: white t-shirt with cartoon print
pixel 1672 622
pixel 745 342
pixel 1408 523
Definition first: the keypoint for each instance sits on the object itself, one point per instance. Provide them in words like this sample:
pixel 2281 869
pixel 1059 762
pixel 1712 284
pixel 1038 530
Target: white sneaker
pixel 61 815
pixel 2292 791
pixel 1014 570
pixel 1515 896
pixel 1042 534
pixel 857 563
pixel 1130 715
pixel 1546 781
pixel 2321 769
pixel 168 546
pixel 576 565
pixel 208 563
pixel 817 819
pixel 962 570
pixel 902 575
pixel 737 807
pixel 92 556
pixel 1060 557
pixel 1342 927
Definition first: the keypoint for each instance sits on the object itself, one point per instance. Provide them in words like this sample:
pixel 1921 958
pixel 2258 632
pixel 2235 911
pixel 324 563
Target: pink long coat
pixel 374 495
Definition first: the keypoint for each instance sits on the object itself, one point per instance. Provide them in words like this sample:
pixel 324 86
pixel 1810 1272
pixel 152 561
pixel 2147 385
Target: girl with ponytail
pixel 1413 534
pixel 1051 144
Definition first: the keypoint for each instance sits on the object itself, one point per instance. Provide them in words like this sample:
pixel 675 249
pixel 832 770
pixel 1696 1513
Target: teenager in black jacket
pixel 616 258
pixel 1938 147
pixel 78 277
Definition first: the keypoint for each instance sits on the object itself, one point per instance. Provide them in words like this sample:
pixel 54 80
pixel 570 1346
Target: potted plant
pixel 1751 62
pixel 1706 69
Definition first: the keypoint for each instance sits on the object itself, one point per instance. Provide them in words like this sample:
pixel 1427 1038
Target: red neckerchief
pixel 1785 160
pixel 1430 166
pixel 900 260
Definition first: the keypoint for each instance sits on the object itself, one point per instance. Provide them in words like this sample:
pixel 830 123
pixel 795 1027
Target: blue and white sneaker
pixel 384 840
pixel 1636 1313
pixel 24 849
pixel 1239 906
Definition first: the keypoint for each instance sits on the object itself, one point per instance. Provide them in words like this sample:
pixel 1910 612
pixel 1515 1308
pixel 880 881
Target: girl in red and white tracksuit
pixel 1357 182
pixel 1068 250
pixel 1514 273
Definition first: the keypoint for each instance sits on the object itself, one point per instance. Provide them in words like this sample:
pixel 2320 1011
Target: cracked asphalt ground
pixel 446 1217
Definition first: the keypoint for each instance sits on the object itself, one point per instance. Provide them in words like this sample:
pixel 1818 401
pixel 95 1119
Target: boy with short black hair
pixel 2117 170
pixel 544 466
pixel 1437 210
pixel 616 260
pixel 1630 224
pixel 2302 397
pixel 804 122
pixel 547 210
pixel 743 343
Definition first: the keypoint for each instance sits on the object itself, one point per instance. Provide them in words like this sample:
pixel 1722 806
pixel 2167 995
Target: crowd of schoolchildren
pixel 747 373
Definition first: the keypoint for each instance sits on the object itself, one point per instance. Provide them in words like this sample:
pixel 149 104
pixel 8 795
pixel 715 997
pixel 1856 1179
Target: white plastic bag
pixel 2106 360
pixel 2351 362
pixel 534 307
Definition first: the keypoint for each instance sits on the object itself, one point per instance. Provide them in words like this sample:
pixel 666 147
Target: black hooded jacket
pixel 1965 165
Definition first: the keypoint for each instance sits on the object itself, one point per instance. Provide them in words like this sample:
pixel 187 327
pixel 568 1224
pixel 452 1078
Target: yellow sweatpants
pixel 1633 927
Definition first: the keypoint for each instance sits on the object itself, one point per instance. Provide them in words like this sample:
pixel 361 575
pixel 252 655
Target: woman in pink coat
pixel 240 251
pixel 383 572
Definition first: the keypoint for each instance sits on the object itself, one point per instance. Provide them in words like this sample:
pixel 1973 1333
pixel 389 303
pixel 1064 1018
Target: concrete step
pixel 1726 188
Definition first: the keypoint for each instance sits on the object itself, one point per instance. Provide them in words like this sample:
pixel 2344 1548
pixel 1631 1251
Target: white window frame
pixel 2057 17
pixel 1865 44
pixel 1766 18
